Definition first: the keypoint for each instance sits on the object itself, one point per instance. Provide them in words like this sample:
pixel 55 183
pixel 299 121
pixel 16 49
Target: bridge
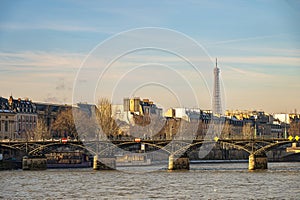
pixel 104 151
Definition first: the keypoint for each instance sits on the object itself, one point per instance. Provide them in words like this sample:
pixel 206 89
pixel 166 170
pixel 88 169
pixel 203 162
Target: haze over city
pixel 43 45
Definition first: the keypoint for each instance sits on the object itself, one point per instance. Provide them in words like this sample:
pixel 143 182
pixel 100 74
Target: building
pixel 26 117
pixel 118 113
pixel 140 107
pixel 18 118
pixel 282 117
pixel 47 114
pixel 142 110
pixel 263 124
pixel 8 128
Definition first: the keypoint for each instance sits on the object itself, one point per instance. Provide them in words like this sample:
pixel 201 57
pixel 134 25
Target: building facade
pixel 18 119
pixel 8 128
pixel 26 117
pixel 47 113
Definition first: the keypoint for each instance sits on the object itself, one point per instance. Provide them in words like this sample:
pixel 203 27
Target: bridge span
pixel 105 150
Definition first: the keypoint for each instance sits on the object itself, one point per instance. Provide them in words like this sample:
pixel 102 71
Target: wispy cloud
pixel 263 60
pixel 238 40
pixel 56 26
pixel 249 73
pixel 39 60
pixel 45 72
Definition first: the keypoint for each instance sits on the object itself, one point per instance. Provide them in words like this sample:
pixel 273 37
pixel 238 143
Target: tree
pixel 147 126
pixel 28 135
pixel 85 123
pixel 294 128
pixel 41 132
pixel 64 124
pixel 201 129
pixel 103 113
pixel 227 129
pixel 247 131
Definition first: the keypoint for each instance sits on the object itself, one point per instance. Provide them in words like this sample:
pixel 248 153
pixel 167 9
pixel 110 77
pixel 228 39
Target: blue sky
pixel 43 43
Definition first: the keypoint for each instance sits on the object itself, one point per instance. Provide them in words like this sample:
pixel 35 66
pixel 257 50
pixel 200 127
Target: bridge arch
pixel 236 146
pixel 187 147
pixel 42 147
pixel 11 147
pixel 112 147
pixel 270 146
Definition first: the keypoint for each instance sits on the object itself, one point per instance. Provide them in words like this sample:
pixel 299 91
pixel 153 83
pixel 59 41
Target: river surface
pixel 203 181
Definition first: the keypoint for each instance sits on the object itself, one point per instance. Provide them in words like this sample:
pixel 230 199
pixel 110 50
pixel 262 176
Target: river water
pixel 203 181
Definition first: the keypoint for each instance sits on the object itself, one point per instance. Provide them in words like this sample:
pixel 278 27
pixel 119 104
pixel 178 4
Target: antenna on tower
pixel 216 62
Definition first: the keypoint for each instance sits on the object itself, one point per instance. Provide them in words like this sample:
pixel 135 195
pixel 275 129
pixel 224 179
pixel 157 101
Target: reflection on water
pixel 203 181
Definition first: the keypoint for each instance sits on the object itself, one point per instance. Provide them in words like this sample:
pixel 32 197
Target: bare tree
pixel 86 125
pixel 41 131
pixel 201 129
pixel 64 124
pixel 28 135
pixel 104 116
pixel 247 131
pixel 294 128
pixel 227 129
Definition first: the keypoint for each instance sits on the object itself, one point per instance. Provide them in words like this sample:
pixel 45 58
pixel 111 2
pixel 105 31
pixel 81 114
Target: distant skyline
pixel 44 43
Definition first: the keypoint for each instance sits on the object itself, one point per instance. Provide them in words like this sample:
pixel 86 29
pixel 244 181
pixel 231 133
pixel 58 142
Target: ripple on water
pixel 207 181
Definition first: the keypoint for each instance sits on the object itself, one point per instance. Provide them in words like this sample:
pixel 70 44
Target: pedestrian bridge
pixel 104 150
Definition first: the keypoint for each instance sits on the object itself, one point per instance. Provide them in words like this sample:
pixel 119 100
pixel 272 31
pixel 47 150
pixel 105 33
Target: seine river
pixel 203 181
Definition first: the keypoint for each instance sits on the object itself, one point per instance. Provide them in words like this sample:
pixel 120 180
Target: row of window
pixel 20 128
pixel 27 119
pixel 24 118
pixel 25 110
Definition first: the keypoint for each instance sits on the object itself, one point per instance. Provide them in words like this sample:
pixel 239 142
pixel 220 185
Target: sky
pixel 49 49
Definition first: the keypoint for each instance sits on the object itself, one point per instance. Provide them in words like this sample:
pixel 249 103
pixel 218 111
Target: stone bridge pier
pixel 107 163
pixel 34 163
pixel 180 163
pixel 259 161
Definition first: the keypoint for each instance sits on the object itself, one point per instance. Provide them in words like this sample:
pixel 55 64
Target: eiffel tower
pixel 217 104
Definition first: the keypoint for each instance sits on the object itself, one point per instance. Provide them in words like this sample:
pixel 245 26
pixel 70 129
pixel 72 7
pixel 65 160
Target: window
pixel 147 111
pixel 6 126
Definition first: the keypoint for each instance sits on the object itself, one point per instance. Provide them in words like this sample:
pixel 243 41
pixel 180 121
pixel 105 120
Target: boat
pixel 132 160
pixel 66 159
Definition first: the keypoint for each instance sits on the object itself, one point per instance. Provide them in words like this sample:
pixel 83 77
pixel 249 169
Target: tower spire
pixel 217 104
